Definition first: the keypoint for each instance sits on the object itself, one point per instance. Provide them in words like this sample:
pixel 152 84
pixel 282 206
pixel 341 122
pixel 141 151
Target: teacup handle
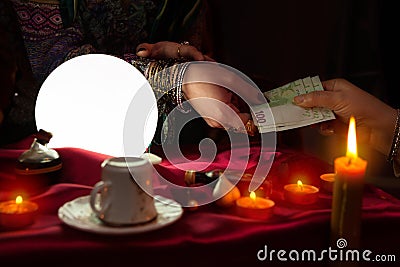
pixel 98 188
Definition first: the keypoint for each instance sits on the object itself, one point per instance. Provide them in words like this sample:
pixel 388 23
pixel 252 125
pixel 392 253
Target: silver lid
pixel 39 153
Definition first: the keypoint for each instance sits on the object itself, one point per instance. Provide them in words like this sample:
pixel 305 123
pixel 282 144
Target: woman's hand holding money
pixel 375 120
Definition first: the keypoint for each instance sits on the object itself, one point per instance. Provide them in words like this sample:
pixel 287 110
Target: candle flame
pixel 300 184
pixel 18 200
pixel 253 195
pixel 351 139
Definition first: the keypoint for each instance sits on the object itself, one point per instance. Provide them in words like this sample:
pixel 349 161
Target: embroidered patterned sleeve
pixel 48 42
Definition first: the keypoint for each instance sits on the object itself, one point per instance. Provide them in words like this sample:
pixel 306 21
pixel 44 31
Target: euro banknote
pixel 281 114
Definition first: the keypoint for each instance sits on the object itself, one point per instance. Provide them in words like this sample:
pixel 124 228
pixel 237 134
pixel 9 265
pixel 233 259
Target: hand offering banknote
pixel 282 114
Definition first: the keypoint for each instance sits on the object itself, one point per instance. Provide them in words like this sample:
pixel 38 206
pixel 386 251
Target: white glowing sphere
pixel 85 101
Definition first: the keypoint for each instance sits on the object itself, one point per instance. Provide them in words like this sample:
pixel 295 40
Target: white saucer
pixel 78 214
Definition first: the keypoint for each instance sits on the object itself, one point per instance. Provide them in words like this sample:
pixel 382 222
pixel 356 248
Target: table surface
pixel 208 234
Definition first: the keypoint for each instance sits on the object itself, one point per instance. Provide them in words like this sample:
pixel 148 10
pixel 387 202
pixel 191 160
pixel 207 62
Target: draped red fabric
pixel 207 235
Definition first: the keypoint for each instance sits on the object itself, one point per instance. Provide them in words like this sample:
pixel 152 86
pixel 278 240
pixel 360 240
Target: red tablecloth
pixel 208 235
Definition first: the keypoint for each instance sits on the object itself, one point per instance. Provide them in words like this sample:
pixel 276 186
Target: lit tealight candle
pixel 327 181
pixel 17 213
pixel 264 190
pixel 255 207
pixel 348 192
pixel 302 194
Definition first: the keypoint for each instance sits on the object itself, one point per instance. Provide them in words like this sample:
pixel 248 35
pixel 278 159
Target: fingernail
pixel 298 99
pixel 141 49
pixel 326 129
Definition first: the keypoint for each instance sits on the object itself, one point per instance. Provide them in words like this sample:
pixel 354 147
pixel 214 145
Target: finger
pixel 189 51
pixel 245 117
pixel 232 106
pixel 213 123
pixel 333 127
pixel 323 99
pixel 208 58
pixel 329 85
pixel 326 128
pixel 339 127
pixel 241 126
pixel 238 122
pixel 144 49
pixel 336 126
pixel 233 122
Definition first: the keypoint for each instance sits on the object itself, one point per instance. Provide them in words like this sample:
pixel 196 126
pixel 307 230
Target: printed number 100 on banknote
pixel 283 114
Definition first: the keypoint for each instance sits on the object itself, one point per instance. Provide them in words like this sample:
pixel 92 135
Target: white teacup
pixel 124 194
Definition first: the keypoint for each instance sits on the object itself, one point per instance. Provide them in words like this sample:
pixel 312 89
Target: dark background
pixel 275 42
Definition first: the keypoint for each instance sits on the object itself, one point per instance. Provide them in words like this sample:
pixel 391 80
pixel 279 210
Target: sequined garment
pixel 118 26
pixel 54 31
pixel 115 26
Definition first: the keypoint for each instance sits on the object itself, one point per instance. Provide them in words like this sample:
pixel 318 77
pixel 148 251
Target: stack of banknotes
pixel 281 114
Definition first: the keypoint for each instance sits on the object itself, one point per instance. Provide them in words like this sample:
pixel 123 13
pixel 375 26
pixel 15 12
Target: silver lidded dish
pixel 37 167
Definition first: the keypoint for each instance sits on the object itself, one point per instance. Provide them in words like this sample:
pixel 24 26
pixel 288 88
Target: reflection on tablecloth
pixel 225 238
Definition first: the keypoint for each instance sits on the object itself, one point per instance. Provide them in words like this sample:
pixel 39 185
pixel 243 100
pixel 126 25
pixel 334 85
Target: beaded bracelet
pixel 164 76
pixel 159 78
pixel 179 93
pixel 396 139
